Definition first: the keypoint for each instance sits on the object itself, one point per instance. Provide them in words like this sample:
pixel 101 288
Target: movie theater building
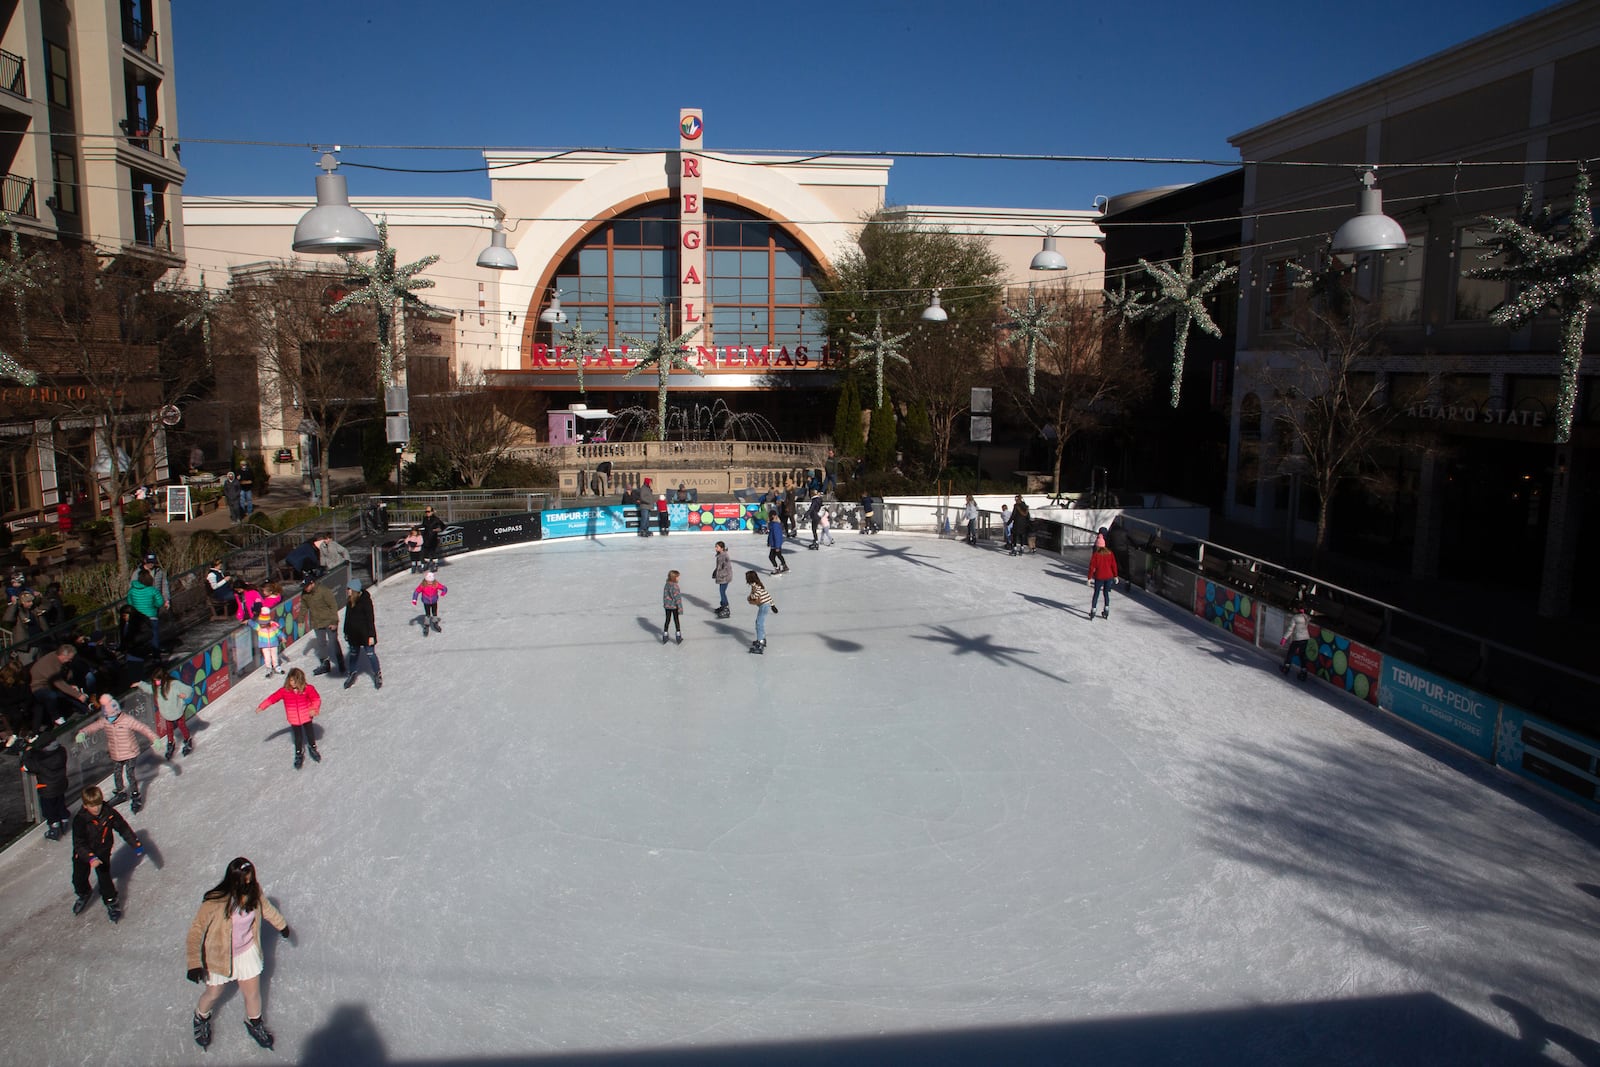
pixel 736 246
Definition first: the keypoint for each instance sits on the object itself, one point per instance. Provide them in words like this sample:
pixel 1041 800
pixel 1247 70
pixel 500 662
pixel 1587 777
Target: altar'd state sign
pixel 1448 709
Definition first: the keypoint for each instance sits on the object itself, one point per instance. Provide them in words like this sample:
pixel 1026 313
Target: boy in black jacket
pixel 46 760
pixel 91 849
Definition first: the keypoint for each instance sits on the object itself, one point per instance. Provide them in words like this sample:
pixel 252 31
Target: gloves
pixel 138 850
pixel 1283 642
pixel 774 609
pixel 81 738
pixel 195 974
pixel 285 932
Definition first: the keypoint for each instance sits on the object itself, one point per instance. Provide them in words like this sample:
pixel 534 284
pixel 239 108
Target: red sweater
pixel 298 708
pixel 1102 565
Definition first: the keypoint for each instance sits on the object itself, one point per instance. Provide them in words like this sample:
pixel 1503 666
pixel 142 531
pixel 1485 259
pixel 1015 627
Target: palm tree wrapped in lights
pixel 16 276
pixel 877 349
pixel 665 353
pixel 386 287
pixel 203 305
pixel 1181 296
pixel 1549 266
pixel 1123 307
pixel 1030 325
pixel 582 342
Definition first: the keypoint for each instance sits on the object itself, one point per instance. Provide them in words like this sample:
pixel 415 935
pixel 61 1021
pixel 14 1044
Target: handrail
pixel 13 71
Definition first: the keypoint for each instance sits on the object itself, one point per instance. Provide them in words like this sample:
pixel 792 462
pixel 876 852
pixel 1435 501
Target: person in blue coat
pixel 775 547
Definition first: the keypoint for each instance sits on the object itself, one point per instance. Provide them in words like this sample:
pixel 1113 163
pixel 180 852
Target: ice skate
pixel 258 1030
pixel 1300 677
pixel 113 910
pixel 1284 670
pixel 437 628
pixel 188 747
pixel 324 669
pixel 202 1030
pixel 663 637
pixel 755 647
pixel 118 797
pixel 299 759
pixel 79 904
pixel 169 749
pixel 1105 613
pixel 137 805
pixel 377 681
pixel 680 638
pixel 311 750
pixel 349 681
pixel 51 833
pixel 426 629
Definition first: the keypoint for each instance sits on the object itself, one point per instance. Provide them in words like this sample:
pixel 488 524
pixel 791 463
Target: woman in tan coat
pixel 225 946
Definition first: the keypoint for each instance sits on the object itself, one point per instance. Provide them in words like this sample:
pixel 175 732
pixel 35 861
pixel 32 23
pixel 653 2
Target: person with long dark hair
pixel 225 946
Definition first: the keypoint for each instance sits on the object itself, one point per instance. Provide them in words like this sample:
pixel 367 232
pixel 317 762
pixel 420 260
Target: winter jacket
pixel 1297 627
pixel 250 602
pixel 269 632
pixel 759 595
pixel 173 704
pixel 432 527
pixel 230 489
pixel 48 765
pixel 1102 565
pixel 91 834
pixel 671 598
pixel 145 599
pixel 319 607
pixel 775 535
pixel 332 553
pixel 722 571
pixel 303 557
pixel 210 943
pixel 48 672
pixel 429 592
pixel 298 708
pixel 120 742
pixel 359 624
pixel 970 513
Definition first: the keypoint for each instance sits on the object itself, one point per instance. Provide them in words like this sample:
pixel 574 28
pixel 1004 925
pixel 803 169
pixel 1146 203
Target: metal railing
pixel 13 71
pixel 142 39
pixel 152 232
pixel 152 139
pixel 460 505
pixel 16 192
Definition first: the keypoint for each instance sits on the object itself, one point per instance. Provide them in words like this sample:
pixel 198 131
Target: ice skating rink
pixel 945 819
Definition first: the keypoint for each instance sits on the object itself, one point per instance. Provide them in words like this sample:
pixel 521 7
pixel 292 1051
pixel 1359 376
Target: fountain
pixel 693 422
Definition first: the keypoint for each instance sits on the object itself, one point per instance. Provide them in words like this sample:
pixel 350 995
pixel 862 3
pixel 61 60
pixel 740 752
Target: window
pixel 1277 294
pixel 1248 472
pixel 17 476
pixel 1401 287
pixel 1476 297
pixel 58 75
pixel 64 170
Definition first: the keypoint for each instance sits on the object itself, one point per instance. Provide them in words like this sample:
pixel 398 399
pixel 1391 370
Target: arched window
pixel 760 283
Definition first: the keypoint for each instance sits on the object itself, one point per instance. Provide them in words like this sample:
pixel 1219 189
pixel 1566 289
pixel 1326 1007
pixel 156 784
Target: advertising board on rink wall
pixel 1540 752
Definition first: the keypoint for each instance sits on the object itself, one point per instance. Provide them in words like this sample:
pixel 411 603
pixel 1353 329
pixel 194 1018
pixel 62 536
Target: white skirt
pixel 246 965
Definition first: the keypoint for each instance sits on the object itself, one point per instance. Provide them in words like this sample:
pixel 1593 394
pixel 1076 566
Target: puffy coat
pixel 91 834
pixel 210 943
pixel 145 599
pixel 722 570
pixel 1102 565
pixel 298 708
pixel 48 764
pixel 359 625
pixel 1297 627
pixel 775 535
pixel 120 742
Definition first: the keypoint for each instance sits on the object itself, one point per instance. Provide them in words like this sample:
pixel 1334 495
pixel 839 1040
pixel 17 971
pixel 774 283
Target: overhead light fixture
pixel 553 315
pixel 934 312
pixel 1047 258
pixel 1370 230
pixel 497 256
pixel 333 227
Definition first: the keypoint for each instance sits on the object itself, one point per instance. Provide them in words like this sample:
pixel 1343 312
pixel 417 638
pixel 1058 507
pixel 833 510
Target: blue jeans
pixel 371 652
pixel 761 622
pixel 722 591
pixel 1101 586
pixel 246 503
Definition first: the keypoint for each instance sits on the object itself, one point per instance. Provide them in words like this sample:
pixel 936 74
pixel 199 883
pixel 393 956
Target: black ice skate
pixel 663 637
pixel 51 833
pixel 258 1030
pixel 202 1030
pixel 680 638
pixel 79 904
pixel 324 669
pixel 118 797
pixel 425 628
pixel 377 681
pixel 138 804
pixel 437 628
pixel 169 749
pixel 311 750
pixel 299 759
pixel 188 747
pixel 113 910
pixel 756 648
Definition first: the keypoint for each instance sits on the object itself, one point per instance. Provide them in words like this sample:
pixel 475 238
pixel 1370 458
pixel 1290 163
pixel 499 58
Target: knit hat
pixel 265 610
pixel 428 576
pixel 354 585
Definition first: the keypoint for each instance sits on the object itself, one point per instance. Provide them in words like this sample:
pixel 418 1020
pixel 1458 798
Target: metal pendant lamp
pixel 333 227
pixel 1370 230
pixel 497 256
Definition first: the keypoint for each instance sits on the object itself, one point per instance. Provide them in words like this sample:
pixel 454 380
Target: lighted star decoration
pixel 582 342
pixel 203 304
pixel 384 286
pixel 665 354
pixel 1328 283
pixel 1549 266
pixel 1181 296
pixel 1122 306
pixel 16 276
pixel 877 349
pixel 1030 326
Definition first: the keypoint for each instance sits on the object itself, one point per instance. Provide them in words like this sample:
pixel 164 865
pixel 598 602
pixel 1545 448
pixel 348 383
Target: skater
pixel 414 547
pixel 92 828
pixel 1296 632
pixel 429 592
pixel 361 633
pixel 121 746
pixel 825 525
pixel 172 700
pixel 46 760
pixel 269 632
pixel 320 611
pixel 224 945
pixel 432 529
pixel 662 521
pixel 672 601
pixel 1102 575
pixel 775 547
pixel 1020 521
pixel 301 703
pixel 763 601
pixel 814 516
pixel 722 574
pixel 970 514
pixel 1005 526
pixel 868 524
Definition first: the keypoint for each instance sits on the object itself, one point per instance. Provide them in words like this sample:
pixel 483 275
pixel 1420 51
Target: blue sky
pixel 1158 78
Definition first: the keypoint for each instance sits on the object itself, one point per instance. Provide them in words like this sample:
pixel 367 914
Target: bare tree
pixel 1086 374
pixel 473 425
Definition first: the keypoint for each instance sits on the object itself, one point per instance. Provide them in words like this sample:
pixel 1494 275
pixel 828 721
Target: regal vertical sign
pixel 692 231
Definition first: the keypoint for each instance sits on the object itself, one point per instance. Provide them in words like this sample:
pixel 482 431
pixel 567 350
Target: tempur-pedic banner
pixel 1449 709
pixel 1544 753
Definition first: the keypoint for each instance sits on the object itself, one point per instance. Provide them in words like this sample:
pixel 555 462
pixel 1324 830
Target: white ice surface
pixel 942 802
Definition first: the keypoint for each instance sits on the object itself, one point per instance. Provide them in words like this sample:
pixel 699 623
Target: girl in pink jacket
pixel 301 703
pixel 428 592
pixel 121 745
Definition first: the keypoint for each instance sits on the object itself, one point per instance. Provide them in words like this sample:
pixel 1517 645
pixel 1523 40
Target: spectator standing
pixel 46 760
pixel 121 745
pixel 247 487
pixel 92 828
pixel 722 574
pixel 331 554
pixel 830 472
pixel 320 611
pixel 672 602
pixel 231 493
pixel 432 529
pixel 224 945
pixel 146 599
pixel 1102 575
pixel 361 633
pixel 172 700
pixel 301 703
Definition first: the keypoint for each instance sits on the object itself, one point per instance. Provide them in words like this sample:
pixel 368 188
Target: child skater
pixel 268 634
pixel 763 601
pixel 224 946
pixel 46 760
pixel 775 547
pixel 1296 633
pixel 92 828
pixel 722 574
pixel 121 746
pixel 429 592
pixel 301 703
pixel 172 700
pixel 672 601
pixel 414 546
pixel 825 523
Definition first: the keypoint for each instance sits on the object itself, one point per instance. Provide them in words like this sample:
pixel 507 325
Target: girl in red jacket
pixel 301 702
pixel 1102 574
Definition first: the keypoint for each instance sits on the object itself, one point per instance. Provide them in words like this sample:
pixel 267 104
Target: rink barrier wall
pixel 1546 755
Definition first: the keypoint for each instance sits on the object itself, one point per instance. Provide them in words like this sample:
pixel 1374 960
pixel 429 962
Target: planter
pixel 45 557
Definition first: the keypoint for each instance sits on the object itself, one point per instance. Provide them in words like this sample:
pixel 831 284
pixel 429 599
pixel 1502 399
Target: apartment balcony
pixel 13 83
pixel 147 149
pixel 142 43
pixel 17 197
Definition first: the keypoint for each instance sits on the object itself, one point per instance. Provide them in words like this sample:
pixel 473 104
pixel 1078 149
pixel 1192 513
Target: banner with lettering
pixel 1547 755
pixel 1351 666
pixel 1440 706
pixel 587 522
pixel 1227 608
